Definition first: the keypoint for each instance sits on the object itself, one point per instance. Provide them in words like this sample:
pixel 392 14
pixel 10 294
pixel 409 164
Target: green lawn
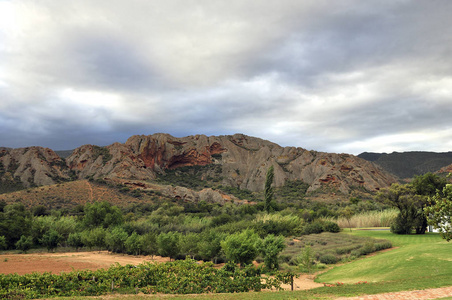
pixel 418 257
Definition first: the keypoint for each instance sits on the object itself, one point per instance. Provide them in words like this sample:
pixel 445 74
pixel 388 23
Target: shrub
pixel 368 247
pixel 314 227
pixel 328 259
pixel 331 227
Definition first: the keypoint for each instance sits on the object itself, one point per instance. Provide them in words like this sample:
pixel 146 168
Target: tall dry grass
pixel 367 219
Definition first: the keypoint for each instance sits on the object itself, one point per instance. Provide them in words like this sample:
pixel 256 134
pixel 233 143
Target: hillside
pixel 409 164
pixel 237 161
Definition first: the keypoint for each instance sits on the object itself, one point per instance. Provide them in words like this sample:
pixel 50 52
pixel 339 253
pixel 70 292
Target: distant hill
pixel 409 164
pixel 64 153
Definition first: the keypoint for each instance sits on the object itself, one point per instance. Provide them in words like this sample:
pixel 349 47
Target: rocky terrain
pixel 242 162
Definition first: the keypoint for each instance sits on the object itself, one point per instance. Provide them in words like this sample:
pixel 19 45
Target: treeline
pixel 201 231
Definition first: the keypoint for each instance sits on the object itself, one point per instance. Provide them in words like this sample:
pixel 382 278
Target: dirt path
pixel 406 295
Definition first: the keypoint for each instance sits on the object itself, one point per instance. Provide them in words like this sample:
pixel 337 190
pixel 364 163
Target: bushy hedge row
pixel 178 277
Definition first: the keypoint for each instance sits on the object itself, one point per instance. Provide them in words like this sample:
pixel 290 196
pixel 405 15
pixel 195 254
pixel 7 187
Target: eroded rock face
pixel 33 165
pixel 244 162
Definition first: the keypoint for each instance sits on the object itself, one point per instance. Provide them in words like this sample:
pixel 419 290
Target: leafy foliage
pixel 241 247
pixel 440 212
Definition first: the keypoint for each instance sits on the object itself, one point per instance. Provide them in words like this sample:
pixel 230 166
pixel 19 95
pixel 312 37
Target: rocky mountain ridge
pixel 242 163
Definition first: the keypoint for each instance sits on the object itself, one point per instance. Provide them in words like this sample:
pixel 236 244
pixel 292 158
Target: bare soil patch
pixel 66 262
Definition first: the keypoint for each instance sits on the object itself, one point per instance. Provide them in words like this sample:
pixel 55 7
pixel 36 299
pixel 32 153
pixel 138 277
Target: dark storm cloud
pixel 342 76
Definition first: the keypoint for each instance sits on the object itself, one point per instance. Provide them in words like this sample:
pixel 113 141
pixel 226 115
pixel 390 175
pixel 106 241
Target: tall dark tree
pixel 269 188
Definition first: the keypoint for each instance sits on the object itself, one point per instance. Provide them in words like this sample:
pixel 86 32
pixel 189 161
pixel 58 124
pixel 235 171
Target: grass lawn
pixel 426 257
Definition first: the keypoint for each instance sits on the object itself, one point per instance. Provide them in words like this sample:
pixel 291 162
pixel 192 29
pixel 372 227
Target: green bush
pixel 328 259
pixel 313 228
pixel 331 227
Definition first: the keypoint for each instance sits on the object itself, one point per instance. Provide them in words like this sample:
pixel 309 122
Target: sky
pixel 343 76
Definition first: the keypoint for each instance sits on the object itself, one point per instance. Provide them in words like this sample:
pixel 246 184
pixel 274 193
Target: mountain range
pixel 233 161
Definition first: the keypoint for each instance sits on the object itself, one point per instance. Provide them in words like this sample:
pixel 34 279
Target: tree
pixel 3 244
pixel 168 244
pixel 347 213
pixel 101 214
pixel 75 240
pixel 24 243
pixel 306 259
pixel 15 221
pixel 94 237
pixel 439 213
pixel 189 244
pixel 271 247
pixel 241 247
pixel 51 239
pixel 149 244
pixel 115 239
pixel 404 198
pixel 132 244
pixel 210 246
pixel 268 188
pixel 428 184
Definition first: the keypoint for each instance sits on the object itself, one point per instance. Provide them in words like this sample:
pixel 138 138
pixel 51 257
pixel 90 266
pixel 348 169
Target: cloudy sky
pixel 337 76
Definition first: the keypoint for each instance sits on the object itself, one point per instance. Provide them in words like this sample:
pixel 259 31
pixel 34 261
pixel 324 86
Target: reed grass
pixel 367 219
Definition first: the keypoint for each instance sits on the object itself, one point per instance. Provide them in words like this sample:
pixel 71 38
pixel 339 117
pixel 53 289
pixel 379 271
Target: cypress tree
pixel 269 188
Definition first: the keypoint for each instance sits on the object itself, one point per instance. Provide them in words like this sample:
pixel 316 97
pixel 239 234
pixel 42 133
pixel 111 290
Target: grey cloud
pixel 317 74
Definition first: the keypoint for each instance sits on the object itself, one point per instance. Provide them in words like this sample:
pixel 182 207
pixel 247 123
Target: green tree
pixel 428 184
pixel 306 259
pixel 65 225
pixel 3 244
pixel 168 244
pixel 189 244
pixel 404 198
pixel 268 188
pixel 133 244
pixel 271 247
pixel 24 243
pixel 149 244
pixel 210 246
pixel 101 214
pixel 115 239
pixel 40 226
pixel 439 213
pixel 241 247
pixel 75 240
pixel 347 213
pixel 94 237
pixel 15 221
pixel 50 239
